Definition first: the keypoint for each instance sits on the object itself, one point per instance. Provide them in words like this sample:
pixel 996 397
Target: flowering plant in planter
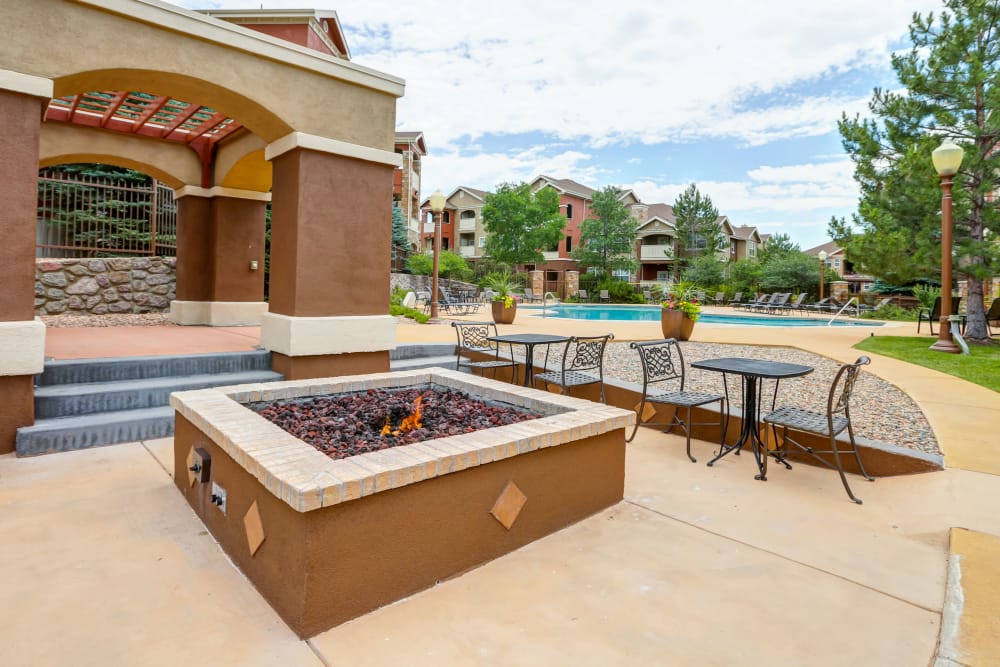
pixel 687 305
pixel 502 284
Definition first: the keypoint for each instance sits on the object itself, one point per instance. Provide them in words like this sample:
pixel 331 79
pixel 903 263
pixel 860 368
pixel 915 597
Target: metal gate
pixel 101 216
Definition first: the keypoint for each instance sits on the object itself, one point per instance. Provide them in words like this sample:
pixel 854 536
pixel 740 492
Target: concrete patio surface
pixel 105 564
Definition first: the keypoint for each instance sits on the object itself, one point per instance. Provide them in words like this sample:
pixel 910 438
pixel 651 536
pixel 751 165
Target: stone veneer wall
pixel 98 286
pixel 413 282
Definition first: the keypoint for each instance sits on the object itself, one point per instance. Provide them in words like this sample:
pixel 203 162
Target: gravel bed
pixel 880 411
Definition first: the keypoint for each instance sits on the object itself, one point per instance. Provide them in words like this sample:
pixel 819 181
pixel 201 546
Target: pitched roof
pixel 568 186
pixel 744 231
pixel 415 139
pixel 663 212
pixel 478 194
pixel 830 248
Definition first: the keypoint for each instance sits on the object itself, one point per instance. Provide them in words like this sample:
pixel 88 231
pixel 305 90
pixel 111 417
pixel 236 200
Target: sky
pixel 740 98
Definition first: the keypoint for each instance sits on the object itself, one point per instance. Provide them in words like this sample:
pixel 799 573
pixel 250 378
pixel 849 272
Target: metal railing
pixel 857 305
pixel 88 216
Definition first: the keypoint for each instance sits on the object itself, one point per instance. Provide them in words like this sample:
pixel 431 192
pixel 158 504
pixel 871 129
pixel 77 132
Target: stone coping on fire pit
pixel 307 480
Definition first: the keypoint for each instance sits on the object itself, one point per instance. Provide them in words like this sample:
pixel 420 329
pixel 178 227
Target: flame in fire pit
pixel 409 423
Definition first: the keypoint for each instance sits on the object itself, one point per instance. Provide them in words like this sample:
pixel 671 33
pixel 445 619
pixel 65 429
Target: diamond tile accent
pixel 509 504
pixel 254 528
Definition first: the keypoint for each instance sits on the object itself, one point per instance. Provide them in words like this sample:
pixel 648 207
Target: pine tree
pixel 950 75
pixel 400 237
pixel 699 230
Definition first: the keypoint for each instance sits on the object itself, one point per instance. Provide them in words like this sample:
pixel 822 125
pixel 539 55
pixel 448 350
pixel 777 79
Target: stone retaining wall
pixel 423 283
pixel 100 286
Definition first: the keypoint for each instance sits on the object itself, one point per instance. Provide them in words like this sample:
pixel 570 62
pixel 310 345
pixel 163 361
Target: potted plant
pixel 504 302
pixel 678 313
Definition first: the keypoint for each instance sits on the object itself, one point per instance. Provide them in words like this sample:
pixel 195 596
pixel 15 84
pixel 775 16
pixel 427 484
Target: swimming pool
pixel 652 314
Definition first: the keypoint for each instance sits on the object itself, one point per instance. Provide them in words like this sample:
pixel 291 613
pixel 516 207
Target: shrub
pixel 411 313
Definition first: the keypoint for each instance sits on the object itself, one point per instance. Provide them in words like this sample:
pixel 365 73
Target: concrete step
pixel 65 400
pixel 77 371
pixel 66 434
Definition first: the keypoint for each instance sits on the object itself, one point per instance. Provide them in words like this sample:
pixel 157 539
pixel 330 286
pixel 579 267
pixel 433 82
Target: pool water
pixel 652 314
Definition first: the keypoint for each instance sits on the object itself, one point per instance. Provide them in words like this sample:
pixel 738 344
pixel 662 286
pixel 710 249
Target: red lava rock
pixel 350 424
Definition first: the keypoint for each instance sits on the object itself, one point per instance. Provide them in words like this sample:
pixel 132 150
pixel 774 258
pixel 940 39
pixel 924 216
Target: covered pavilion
pixel 231 118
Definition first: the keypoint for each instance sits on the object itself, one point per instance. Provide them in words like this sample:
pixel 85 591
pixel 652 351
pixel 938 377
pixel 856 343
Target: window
pixel 482 241
pixel 751 249
pixel 569 244
pixel 569 210
pixel 468 215
pixel 446 217
pixel 698 242
pixel 663 276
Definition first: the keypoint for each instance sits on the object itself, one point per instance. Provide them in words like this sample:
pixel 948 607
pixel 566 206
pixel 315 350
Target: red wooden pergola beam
pixel 179 120
pixel 206 126
pixel 113 106
pixel 151 110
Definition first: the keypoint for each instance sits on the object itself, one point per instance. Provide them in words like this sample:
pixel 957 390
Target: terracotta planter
pixel 675 324
pixel 503 315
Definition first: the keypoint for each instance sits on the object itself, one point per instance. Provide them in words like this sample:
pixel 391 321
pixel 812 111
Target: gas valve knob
pixel 195 468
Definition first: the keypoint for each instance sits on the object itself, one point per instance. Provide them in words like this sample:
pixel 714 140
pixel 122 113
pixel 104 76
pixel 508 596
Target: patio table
pixel 529 341
pixel 753 372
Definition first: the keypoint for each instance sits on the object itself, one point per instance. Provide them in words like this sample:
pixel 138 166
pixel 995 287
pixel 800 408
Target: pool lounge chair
pixel 582 295
pixel 761 303
pixel 737 300
pixel 753 301
pixel 605 297
pixel 794 305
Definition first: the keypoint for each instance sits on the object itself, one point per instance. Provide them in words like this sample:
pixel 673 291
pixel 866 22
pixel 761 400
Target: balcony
pixel 467 250
pixel 655 253
pixel 428 227
pixel 467 225
pixel 549 255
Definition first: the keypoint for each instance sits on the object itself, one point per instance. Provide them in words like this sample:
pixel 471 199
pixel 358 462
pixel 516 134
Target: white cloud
pixel 607 73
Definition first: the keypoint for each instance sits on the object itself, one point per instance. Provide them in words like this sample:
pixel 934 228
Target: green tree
pixel 607 239
pixel 699 230
pixel 400 237
pixel 451 265
pixel 520 223
pixel 705 271
pixel 779 245
pixel 744 275
pixel 793 272
pixel 951 76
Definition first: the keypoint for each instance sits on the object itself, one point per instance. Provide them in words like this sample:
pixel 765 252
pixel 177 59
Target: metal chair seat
pixel 570 379
pixel 582 353
pixel 662 361
pixel 683 398
pixel 473 339
pixel 806 420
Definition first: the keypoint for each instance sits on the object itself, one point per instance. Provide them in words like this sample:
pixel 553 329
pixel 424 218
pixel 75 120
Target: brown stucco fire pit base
pixel 328 540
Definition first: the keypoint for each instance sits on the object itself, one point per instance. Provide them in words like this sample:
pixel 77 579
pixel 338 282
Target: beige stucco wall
pixel 173 163
pixel 161 49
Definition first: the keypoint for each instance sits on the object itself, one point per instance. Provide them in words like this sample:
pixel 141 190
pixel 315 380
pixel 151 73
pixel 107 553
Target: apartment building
pixel 406 182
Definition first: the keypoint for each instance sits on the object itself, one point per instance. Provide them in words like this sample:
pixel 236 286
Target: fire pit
pixel 326 539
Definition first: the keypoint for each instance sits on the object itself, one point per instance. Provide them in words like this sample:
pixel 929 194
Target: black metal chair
pixel 663 362
pixel 934 314
pixel 472 338
pixel 581 354
pixel 835 420
pixel 993 315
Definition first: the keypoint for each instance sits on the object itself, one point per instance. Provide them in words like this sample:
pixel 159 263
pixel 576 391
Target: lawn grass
pixel 981 366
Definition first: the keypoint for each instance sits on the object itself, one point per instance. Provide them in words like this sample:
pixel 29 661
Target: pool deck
pixel 105 564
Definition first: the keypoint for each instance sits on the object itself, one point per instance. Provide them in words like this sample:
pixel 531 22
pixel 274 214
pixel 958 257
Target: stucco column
pixel 22 338
pixel 330 243
pixel 220 256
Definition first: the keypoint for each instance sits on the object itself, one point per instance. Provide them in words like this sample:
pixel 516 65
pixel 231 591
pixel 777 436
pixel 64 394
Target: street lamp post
pixel 822 272
pixel 437 206
pixel 947 159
